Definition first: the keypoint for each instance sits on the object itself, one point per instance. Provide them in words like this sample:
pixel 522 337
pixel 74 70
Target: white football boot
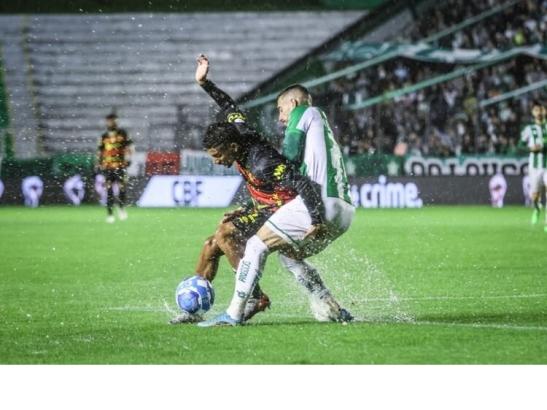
pixel 326 309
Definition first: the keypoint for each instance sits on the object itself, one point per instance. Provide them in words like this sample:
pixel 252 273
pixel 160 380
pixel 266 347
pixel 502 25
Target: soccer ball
pixel 195 295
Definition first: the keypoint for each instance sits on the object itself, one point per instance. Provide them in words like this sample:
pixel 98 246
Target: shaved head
pixel 297 92
pixel 290 98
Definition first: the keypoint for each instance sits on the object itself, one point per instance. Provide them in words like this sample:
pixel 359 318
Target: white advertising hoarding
pixel 189 191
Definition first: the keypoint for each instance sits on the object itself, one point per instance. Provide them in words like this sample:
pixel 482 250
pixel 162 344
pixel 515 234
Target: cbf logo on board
pixel 385 194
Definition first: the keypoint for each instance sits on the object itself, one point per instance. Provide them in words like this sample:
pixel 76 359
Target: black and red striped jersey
pixel 273 181
pixel 112 149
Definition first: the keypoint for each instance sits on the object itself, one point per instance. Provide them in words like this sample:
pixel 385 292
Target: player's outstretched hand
pixel 202 69
pixel 316 232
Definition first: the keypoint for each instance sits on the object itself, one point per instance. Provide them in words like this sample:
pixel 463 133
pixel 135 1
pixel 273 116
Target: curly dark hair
pixel 222 133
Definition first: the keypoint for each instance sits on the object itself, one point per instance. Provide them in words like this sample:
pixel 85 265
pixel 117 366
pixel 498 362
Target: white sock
pixel 323 305
pixel 247 276
pixel 304 273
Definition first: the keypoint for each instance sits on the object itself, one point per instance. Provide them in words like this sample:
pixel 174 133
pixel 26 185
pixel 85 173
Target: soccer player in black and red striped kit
pixel 113 157
pixel 237 226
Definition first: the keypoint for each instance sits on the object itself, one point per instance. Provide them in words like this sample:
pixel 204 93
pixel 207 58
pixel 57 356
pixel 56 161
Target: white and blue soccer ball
pixel 195 295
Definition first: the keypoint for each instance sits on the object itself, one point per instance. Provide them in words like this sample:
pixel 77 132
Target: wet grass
pixel 433 285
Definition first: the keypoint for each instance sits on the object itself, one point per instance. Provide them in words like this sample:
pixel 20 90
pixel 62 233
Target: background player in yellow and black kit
pixel 113 158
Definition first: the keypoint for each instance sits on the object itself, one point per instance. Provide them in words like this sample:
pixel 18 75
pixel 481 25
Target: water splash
pixel 361 286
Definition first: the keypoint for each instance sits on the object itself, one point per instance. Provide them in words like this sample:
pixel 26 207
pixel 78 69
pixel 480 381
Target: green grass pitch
pixel 434 285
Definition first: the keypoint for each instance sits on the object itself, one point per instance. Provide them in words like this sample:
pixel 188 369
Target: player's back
pixel 261 170
pixel 322 159
pixel 112 147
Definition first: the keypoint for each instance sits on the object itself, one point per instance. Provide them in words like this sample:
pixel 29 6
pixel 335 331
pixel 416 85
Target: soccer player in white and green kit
pixel 534 136
pixel 310 145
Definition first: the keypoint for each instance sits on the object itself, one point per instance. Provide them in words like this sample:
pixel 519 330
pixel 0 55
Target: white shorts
pixel 292 221
pixel 537 180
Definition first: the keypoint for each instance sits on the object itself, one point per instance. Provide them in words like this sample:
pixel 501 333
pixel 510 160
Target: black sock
pixel 109 200
pixel 257 292
pixel 122 197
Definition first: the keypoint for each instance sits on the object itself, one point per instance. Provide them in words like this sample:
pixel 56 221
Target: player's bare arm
pixel 128 153
pixel 99 157
pixel 98 160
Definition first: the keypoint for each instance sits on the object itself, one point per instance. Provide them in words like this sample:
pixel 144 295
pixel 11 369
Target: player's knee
pixel 255 246
pixel 210 242
pixel 224 233
pixel 286 262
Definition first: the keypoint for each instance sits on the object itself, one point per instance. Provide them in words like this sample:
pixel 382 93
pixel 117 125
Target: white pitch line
pixel 504 326
pixel 413 298
pixel 438 297
pixel 136 309
pixel 365 300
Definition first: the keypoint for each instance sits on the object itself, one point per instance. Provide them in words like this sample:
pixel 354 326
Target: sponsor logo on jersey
pixel 236 117
pixel 279 171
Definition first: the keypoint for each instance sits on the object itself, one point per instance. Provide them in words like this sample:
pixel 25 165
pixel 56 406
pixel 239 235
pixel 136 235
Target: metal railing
pixel 514 93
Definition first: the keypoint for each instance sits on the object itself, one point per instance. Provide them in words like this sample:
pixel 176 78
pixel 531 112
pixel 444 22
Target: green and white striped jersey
pixel 310 144
pixel 533 135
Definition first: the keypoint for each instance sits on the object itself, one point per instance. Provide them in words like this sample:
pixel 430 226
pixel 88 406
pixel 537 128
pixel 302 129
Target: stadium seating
pixel 443 120
pixel 142 66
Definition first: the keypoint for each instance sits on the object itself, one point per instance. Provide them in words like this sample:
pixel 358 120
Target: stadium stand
pixel 516 23
pixel 443 119
pixel 82 67
pixel 23 118
pixel 5 139
pixel 4 118
pixel 141 66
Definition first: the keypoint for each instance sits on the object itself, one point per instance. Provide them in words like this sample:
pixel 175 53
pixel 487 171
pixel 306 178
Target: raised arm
pixel 129 147
pixel 224 101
